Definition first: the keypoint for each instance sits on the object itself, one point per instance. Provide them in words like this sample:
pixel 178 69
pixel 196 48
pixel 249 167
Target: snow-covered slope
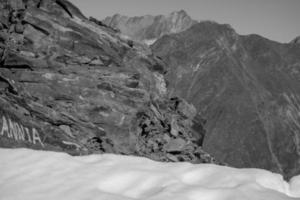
pixel 28 174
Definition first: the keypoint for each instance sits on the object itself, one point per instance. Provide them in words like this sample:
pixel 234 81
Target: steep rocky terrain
pixel 148 28
pixel 72 84
pixel 296 40
pixel 246 88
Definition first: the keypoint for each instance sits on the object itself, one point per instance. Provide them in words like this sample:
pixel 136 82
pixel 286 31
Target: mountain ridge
pixel 296 40
pixel 245 87
pixel 149 27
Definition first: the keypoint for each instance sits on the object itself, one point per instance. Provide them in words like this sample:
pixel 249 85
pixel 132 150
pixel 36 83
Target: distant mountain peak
pixel 148 27
pixel 179 13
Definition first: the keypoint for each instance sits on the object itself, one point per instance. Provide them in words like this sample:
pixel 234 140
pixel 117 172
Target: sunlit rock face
pixel 148 28
pixel 72 84
pixel 246 87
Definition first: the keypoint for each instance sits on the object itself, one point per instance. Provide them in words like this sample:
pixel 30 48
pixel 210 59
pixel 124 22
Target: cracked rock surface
pixel 72 84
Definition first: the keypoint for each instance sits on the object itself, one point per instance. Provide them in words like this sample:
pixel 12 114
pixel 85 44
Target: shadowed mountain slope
pixel 296 40
pixel 246 87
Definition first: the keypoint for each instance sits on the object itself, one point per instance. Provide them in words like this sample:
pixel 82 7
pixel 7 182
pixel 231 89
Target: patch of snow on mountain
pixel 34 175
pixel 149 42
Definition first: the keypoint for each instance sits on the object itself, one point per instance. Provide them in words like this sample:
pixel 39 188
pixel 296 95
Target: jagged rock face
pixel 70 84
pixel 149 28
pixel 246 87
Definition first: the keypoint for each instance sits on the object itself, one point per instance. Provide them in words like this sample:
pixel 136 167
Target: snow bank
pixel 27 174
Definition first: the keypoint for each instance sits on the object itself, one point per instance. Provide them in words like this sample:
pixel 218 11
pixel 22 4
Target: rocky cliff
pixel 71 84
pixel 148 28
pixel 246 87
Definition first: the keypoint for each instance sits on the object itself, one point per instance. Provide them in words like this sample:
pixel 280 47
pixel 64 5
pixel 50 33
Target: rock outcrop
pixel 71 84
pixel 148 28
pixel 296 40
pixel 246 87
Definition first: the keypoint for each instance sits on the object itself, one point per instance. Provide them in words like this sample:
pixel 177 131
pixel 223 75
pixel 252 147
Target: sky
pixel 275 19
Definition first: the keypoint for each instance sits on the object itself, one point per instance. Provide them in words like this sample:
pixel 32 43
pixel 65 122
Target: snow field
pixel 35 175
